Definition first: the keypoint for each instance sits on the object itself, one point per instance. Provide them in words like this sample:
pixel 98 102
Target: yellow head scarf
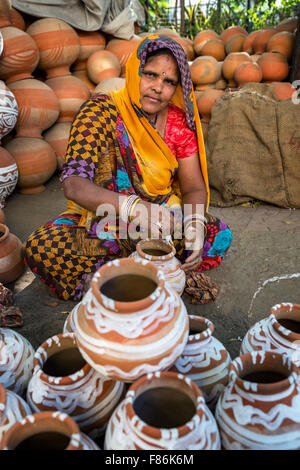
pixel 156 161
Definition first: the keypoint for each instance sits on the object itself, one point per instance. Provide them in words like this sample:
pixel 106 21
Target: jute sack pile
pixel 253 148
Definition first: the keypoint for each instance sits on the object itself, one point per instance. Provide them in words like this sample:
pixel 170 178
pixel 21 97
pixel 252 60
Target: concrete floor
pixel 261 269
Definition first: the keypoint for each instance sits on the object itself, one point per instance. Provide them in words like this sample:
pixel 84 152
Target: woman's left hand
pixel 193 261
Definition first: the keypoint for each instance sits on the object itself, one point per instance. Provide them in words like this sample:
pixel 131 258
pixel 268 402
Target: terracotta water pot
pixel 11 259
pixel 288 24
pixel 188 47
pixel 213 47
pixel 36 162
pixel 162 255
pixel 204 360
pixel 16 361
pixel 122 49
pixel 110 84
pixel 102 65
pixel 231 63
pixel 50 431
pixel 5 13
pixel 248 42
pixel 58 136
pixel 90 42
pixel 63 381
pixel 247 72
pixel 202 37
pixel 206 101
pixel 83 76
pixel 12 409
pixel 8 110
pixel 205 70
pixel 283 90
pixel 235 43
pixel 278 332
pixel 162 411
pixel 58 44
pixel 8 175
pixel 71 92
pixel 232 31
pixel 38 107
pixel 260 41
pixel 130 322
pixel 17 19
pixel 20 55
pixel 282 42
pixel 274 66
pixel 259 408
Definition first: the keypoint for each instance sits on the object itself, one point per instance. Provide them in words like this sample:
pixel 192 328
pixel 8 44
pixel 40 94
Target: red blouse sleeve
pixel 179 138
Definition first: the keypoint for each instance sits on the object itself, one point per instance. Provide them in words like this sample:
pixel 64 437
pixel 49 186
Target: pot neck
pixel 287 312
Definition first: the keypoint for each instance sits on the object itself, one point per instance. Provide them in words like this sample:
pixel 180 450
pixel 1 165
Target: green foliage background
pixel 206 14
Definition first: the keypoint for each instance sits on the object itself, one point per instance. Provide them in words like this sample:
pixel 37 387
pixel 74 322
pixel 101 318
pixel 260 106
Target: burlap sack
pixel 253 149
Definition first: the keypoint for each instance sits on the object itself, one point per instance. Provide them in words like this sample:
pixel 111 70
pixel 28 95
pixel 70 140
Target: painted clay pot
pixel 278 332
pixel 36 162
pixel 12 409
pixel 130 322
pixel 50 431
pixel 63 381
pixel 231 31
pixel 110 84
pixel 213 47
pixel 205 70
pixel 38 107
pixel 90 42
pixel 204 360
pixel 16 361
pixel 5 13
pixel 83 76
pixel 274 66
pixel 247 72
pixel 235 43
pixel 58 44
pixel 8 175
pixel 248 42
pixel 102 65
pixel 162 255
pixel 230 64
pixel 58 136
pixel 202 37
pixel 17 19
pixel 162 411
pixel 11 260
pixel 71 92
pixel 283 90
pixel 261 40
pixel 259 409
pixel 8 110
pixel 122 49
pixel 20 55
pixel 206 101
pixel 282 42
pixel 288 24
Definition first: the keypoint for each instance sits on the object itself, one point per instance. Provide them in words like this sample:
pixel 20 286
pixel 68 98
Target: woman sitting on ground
pixel 140 152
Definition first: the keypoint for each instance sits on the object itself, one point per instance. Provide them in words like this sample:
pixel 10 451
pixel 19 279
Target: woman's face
pixel 158 83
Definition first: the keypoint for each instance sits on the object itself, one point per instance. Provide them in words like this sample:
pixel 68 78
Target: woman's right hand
pixel 156 220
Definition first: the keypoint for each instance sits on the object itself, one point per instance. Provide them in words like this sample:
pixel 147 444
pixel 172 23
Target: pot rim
pixel 203 333
pixel 5 229
pixel 276 314
pixel 27 427
pixel 154 432
pixel 162 243
pixel 110 270
pixel 39 361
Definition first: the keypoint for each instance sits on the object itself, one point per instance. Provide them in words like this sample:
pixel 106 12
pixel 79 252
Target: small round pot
pixel 162 411
pixel 205 70
pixel 11 259
pixel 162 255
pixel 51 431
pixel 102 65
pixel 202 37
pixel 8 110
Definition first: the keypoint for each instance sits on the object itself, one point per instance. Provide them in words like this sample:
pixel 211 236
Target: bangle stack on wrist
pixel 198 218
pixel 127 207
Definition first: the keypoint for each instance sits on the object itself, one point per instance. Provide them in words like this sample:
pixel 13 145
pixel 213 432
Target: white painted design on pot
pixel 8 110
pixel 16 361
pixel 15 409
pixel 8 181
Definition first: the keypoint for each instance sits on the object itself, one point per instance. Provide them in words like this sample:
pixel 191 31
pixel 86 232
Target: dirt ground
pixel 261 269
